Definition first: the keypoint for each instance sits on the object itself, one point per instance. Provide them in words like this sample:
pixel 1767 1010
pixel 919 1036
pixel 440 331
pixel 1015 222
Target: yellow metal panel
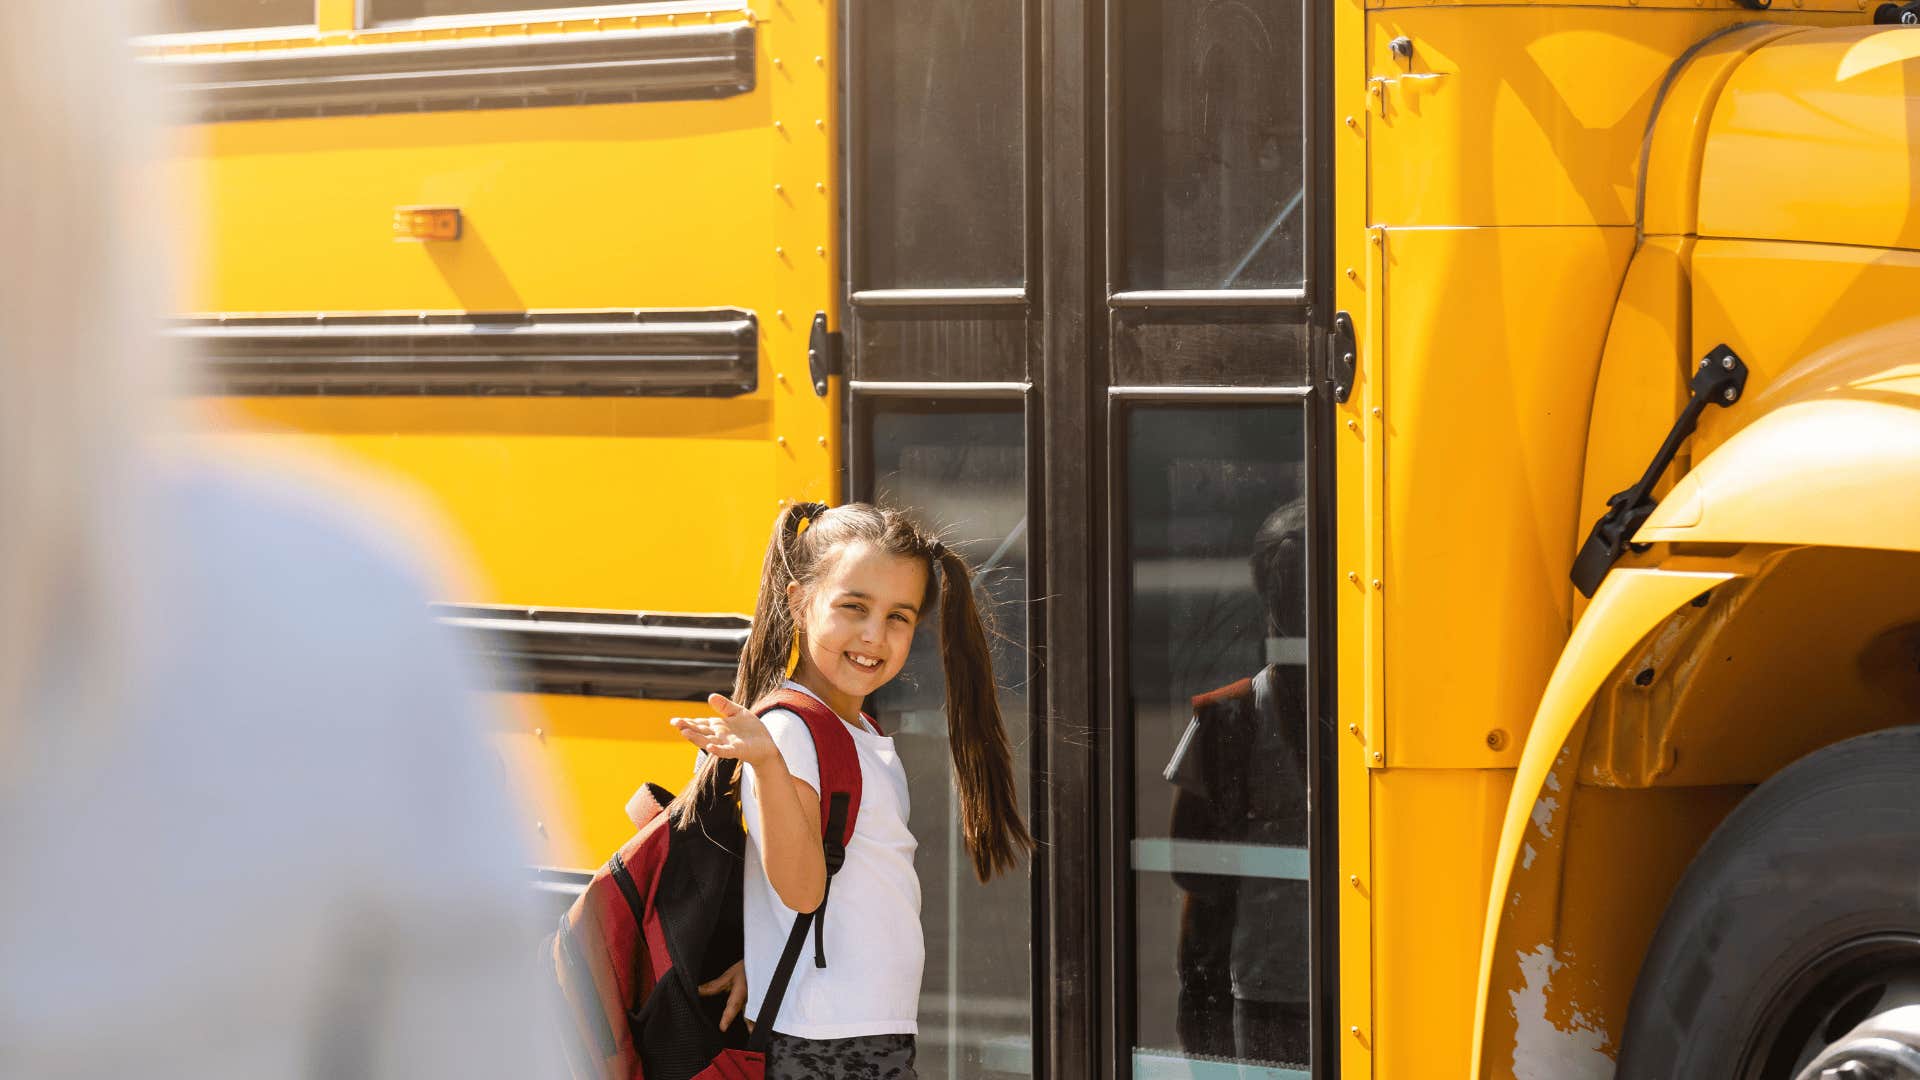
pixel 1354 288
pixel 568 503
pixel 1434 835
pixel 584 757
pixel 1813 140
pixel 1809 309
pixel 338 15
pixel 1486 422
pixel 799 62
pixel 1628 605
pixel 1670 197
pixel 1641 384
pixel 665 204
pixel 1517 115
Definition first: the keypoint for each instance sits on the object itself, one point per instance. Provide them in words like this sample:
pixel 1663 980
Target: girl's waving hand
pixel 735 733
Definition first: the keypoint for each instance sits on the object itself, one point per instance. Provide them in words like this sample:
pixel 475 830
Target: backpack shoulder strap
pixel 839 763
pixel 839 809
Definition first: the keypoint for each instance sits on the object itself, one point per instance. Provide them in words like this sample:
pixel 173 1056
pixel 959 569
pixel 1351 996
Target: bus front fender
pixel 1629 604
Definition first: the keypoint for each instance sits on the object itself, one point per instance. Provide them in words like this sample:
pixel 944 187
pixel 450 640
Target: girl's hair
pixel 990 820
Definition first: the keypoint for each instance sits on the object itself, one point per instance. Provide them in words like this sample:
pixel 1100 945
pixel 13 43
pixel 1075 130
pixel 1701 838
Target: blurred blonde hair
pixel 82 369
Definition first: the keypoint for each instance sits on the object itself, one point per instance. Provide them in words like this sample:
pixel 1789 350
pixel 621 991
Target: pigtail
pixel 763 662
pixel 990 820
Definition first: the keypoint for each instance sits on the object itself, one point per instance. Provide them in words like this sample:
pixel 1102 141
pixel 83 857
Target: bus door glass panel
pixel 194 16
pixel 1212 138
pixel 1215 537
pixel 962 467
pixel 938 143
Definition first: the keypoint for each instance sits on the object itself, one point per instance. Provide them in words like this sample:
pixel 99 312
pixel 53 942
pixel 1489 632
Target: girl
pixel 840 594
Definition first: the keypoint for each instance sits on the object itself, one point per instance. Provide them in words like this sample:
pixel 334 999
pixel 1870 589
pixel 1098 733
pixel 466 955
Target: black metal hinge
pixel 1719 380
pixel 824 351
pixel 1342 358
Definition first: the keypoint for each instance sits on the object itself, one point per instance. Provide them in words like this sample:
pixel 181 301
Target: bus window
pixel 1212 148
pixel 962 466
pixel 195 16
pixel 1214 534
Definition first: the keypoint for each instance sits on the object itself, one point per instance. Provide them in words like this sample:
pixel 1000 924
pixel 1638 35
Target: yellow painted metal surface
pixel 1641 383
pixel 1493 341
pixel 1628 605
pixel 1525 115
pixel 1670 183
pixel 1824 312
pixel 1358 290
pixel 620 503
pixel 1826 118
pixel 1434 837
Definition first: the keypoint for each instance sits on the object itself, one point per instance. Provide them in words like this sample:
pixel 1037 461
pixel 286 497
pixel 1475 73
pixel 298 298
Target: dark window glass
pixel 1212 144
pixel 383 10
pixel 938 133
pixel 192 16
pixel 1215 540
pixel 962 469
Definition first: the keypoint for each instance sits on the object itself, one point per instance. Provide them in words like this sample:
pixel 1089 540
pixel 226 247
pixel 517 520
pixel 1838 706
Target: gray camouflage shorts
pixel 865 1057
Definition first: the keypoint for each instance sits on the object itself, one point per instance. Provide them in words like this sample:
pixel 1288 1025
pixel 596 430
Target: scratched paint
pixel 1542 1049
pixel 1543 815
pixel 1527 855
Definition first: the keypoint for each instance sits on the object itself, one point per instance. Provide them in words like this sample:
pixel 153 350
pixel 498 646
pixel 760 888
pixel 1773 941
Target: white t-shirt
pixel 875 952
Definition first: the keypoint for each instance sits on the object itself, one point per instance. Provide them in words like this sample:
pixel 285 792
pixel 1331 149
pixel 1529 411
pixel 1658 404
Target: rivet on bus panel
pixel 1353 729
pixel 1353 577
pixel 779 63
pixel 542 826
pixel 778 126
pixel 1353 425
pixel 1352 274
pixel 1376 585
pixel 820 250
pixel 779 252
pixel 540 733
pixel 1378 412
pixel 819 61
pixel 1353 880
pixel 779 376
pixel 1352 123
pixel 1378 757
pixel 820 186
pixel 779 440
pixel 822 440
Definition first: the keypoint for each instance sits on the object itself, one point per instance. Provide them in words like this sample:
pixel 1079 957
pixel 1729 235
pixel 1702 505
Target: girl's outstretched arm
pixel 789 818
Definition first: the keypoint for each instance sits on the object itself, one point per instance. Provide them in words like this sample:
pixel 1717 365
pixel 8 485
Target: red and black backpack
pixel 664 916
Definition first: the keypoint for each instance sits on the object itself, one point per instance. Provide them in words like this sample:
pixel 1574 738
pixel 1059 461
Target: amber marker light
pixel 426 223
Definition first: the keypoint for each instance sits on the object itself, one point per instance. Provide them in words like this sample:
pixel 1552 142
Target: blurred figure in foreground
pixel 248 827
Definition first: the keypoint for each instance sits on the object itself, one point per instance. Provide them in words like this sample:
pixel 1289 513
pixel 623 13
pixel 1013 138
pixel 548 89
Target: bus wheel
pixel 1792 945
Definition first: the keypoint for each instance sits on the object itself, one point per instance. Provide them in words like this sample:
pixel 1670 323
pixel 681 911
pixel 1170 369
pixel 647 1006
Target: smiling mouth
pixel 864 663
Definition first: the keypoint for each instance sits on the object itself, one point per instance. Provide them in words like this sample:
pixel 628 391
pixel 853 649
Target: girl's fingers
pixel 736 1001
pixel 714 986
pixel 725 706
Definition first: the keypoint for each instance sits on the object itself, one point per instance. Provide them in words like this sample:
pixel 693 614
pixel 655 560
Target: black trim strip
pixel 677 353
pixel 662 63
pixel 626 654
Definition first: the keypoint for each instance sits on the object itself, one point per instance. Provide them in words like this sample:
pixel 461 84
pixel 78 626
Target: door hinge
pixel 1343 357
pixel 824 353
pixel 1719 380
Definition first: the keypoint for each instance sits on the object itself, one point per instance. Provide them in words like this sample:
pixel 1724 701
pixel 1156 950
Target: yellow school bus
pixel 1447 472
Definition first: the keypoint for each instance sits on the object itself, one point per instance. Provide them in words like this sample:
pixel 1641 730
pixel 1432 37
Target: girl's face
pixel 856 623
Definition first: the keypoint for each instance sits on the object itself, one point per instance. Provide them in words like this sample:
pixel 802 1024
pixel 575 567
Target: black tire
pixel 1810 887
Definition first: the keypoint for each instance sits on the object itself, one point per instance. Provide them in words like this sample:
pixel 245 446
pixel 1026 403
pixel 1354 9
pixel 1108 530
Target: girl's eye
pixel 897 617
